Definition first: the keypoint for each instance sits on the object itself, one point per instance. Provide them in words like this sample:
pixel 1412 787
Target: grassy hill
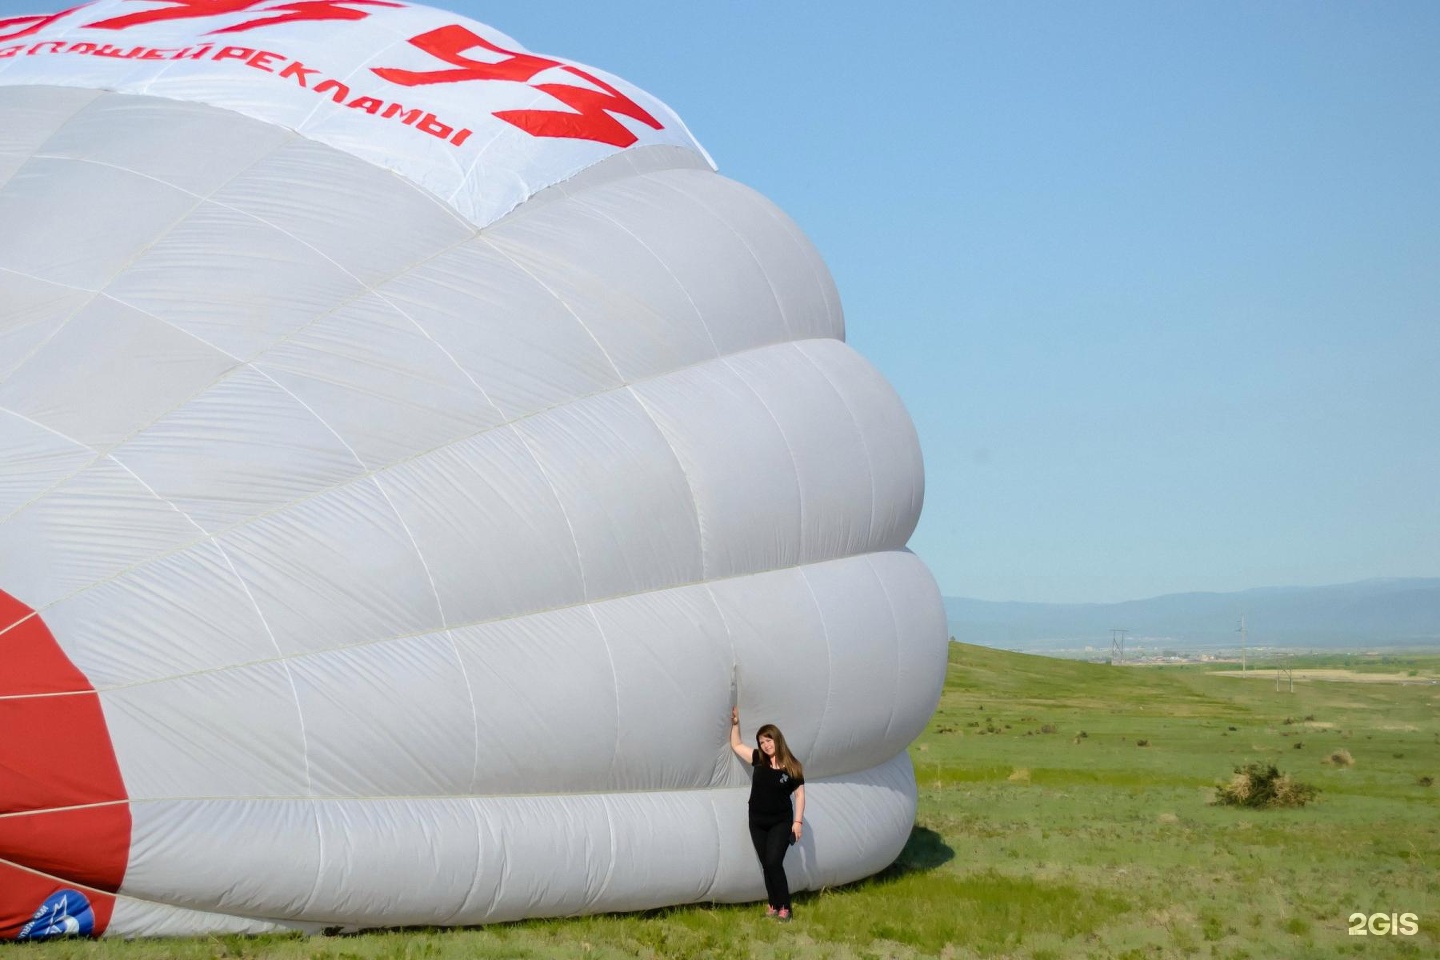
pixel 1063 813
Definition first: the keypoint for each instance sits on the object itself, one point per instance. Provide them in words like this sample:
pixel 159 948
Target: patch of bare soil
pixel 1332 674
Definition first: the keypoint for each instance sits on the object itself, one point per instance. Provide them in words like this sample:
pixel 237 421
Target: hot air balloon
pixel 410 448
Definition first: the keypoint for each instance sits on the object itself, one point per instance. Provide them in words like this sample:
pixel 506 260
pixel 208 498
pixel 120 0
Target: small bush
pixel 1298 744
pixel 1049 728
pixel 1232 729
pixel 1341 758
pixel 1425 782
pixel 1262 786
pixel 1142 743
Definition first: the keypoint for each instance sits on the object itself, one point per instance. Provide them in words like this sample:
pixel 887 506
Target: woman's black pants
pixel 771 841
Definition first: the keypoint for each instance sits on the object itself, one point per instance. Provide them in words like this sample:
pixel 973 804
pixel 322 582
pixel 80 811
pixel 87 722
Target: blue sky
pixel 1158 282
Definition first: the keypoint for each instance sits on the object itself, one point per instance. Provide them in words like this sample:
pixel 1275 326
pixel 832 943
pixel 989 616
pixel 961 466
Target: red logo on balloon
pixel 293 12
pixel 592 108
pixel 594 105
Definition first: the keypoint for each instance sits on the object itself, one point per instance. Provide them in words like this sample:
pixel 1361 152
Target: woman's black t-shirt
pixel 770 790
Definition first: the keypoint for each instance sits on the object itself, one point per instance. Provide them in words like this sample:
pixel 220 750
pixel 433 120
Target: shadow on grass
pixel 924 851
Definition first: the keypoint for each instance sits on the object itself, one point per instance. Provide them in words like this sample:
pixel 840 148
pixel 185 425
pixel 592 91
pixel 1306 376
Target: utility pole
pixel 1241 630
pixel 1117 645
pixel 1287 667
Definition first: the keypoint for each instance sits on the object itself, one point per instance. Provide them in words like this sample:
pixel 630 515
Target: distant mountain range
pixel 1372 614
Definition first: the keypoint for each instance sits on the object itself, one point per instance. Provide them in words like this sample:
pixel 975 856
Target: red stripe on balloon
pixel 32 661
pixel 64 812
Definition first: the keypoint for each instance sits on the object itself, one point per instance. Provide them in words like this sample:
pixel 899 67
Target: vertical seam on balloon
pixel 829 659
pixel 499 894
pixel 609 867
pixel 800 550
pixel 689 483
pixel 284 661
pixel 859 431
pixel 615 681
pixel 812 258
pixel 895 625
pixel 790 332
pixel 559 502
pixel 472 810
pixel 719 850
pixel 444 626
pixel 560 300
pixel 663 265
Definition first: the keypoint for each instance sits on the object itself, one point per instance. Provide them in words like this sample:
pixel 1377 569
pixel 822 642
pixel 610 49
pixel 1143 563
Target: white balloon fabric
pixel 410 448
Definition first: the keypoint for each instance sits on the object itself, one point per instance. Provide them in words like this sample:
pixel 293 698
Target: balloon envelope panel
pixel 380 563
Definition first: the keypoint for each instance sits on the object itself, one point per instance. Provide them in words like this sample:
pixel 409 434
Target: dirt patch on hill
pixel 1334 675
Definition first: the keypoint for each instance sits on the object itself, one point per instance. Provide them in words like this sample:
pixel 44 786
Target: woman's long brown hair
pixel 782 750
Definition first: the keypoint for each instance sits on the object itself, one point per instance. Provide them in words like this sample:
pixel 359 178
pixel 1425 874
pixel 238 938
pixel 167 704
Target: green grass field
pixel 1064 813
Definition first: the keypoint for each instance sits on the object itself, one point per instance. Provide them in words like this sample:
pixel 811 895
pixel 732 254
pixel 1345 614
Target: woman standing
pixel 773 825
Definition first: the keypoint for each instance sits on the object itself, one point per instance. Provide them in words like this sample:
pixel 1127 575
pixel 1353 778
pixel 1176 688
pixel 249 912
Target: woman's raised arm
pixel 743 751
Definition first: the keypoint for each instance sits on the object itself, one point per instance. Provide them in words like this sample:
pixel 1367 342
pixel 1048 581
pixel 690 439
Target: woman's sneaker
pixel 784 915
